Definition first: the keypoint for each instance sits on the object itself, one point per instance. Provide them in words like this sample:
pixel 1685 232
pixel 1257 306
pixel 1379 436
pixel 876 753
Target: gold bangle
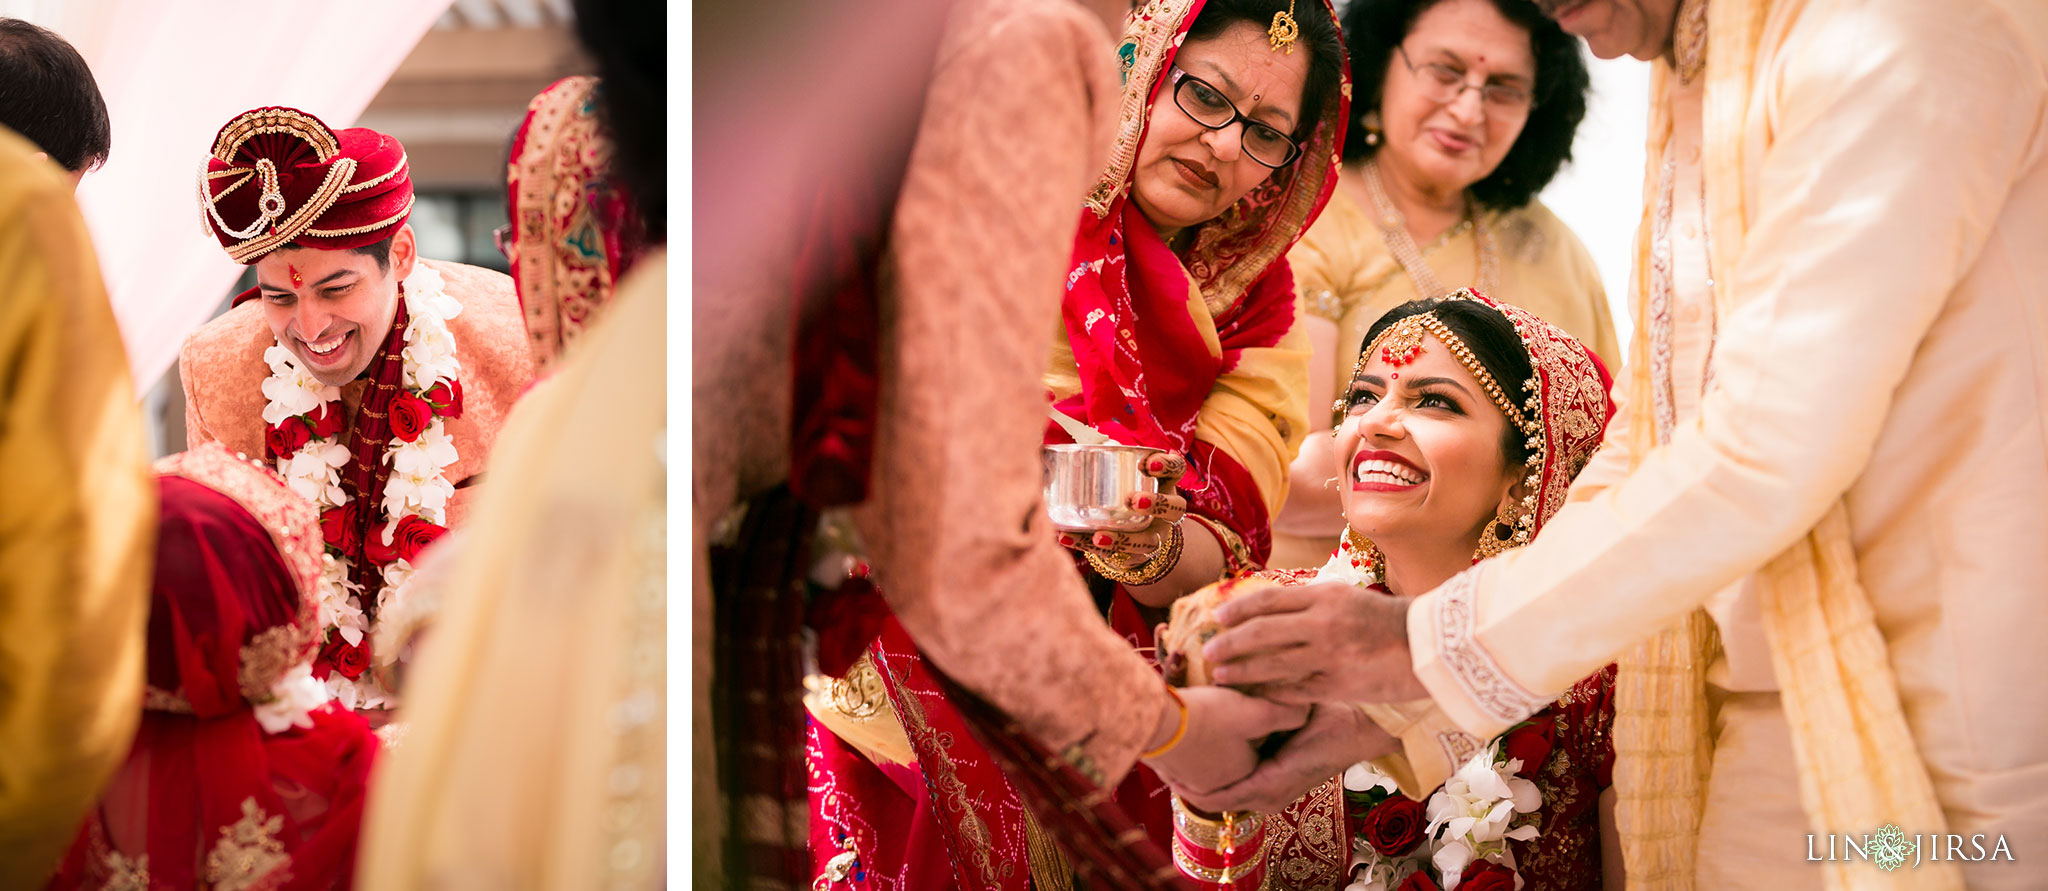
pixel 1178 732
pixel 1227 875
pixel 1213 833
pixel 1152 570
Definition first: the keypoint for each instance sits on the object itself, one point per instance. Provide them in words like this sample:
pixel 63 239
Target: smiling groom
pixel 374 380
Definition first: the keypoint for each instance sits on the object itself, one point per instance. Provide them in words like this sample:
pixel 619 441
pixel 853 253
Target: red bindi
pixel 294 270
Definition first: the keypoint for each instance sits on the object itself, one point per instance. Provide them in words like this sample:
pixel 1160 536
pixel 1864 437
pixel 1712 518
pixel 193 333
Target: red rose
pixel 341 529
pixel 1486 875
pixel 326 421
pixel 377 550
pixel 1418 881
pixel 1530 742
pixel 446 398
pixel 287 438
pixel 413 535
pixel 409 416
pixel 1395 827
pixel 341 656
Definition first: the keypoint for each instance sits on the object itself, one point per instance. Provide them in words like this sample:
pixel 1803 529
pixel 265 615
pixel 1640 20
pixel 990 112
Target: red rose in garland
pixel 410 416
pixel 413 535
pixel 378 551
pixel 446 398
pixel 1486 875
pixel 327 421
pixel 343 657
pixel 341 528
pixel 285 439
pixel 1531 742
pixel 1395 827
pixel 1418 881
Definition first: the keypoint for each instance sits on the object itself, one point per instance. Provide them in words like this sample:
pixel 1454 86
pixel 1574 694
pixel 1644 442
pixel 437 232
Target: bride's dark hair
pixel 1492 340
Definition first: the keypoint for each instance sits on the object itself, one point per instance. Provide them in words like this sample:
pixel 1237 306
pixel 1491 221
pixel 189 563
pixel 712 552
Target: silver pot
pixel 1087 486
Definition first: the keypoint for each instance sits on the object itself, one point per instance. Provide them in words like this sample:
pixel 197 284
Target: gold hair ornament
pixel 1284 30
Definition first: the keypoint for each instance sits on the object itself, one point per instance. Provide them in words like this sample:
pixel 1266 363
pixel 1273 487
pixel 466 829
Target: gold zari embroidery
pixel 249 855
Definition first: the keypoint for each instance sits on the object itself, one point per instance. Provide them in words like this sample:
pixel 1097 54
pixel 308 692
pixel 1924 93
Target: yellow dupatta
pixel 1836 684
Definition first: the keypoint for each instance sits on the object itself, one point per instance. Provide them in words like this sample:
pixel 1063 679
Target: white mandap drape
pixel 174 71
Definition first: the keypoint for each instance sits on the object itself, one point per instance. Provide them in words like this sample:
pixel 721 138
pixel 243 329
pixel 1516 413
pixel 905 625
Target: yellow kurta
pixel 1346 274
pixel 1881 343
pixel 534 752
pixel 77 523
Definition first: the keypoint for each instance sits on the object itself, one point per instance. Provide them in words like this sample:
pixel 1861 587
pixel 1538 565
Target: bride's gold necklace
pixel 1394 228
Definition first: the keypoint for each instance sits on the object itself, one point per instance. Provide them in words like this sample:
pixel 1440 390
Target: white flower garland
pixel 418 485
pixel 1469 816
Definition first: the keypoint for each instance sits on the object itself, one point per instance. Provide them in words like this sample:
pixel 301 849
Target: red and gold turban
pixel 278 176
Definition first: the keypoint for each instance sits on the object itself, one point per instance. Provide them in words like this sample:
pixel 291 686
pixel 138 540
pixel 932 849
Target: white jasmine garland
pixel 418 484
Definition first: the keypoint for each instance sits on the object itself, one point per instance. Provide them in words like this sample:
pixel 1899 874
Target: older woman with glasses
pixel 1465 110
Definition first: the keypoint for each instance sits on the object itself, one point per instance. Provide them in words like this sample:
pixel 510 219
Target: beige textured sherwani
pixel 223 370
pixel 1016 123
pixel 1885 344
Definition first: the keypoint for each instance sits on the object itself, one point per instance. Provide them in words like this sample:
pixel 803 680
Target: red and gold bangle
pixel 1178 732
pixel 1219 853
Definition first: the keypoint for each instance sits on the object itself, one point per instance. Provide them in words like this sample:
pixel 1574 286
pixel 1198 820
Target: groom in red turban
pixel 374 380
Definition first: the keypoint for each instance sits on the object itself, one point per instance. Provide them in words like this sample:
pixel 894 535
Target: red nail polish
pixel 1104 540
pixel 1066 540
pixel 1144 502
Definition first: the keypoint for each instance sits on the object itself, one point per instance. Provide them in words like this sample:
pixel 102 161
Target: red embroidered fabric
pixel 206 796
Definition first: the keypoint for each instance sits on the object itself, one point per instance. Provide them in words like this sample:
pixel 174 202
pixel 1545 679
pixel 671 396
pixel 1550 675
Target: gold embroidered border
pixel 358 230
pixel 944 780
pixel 276 120
pixel 357 187
pixel 1480 677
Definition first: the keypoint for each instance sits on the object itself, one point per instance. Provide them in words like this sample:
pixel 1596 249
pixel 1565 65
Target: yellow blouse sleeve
pixel 76 524
pixel 1257 412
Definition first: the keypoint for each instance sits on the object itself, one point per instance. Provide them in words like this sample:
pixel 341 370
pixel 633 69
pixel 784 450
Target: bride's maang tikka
pixel 1284 30
pixel 1401 343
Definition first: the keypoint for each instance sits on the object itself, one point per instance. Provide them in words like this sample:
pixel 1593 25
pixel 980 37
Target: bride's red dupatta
pixel 208 794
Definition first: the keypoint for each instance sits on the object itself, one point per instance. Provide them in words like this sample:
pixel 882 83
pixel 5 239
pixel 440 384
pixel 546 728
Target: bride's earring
pixel 1492 543
pixel 1370 123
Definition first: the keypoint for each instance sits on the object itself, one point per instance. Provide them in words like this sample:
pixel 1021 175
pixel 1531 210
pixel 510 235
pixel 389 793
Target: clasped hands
pixel 1291 658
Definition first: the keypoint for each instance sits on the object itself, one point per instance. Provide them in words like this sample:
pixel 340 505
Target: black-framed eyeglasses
pixel 1443 83
pixel 1206 105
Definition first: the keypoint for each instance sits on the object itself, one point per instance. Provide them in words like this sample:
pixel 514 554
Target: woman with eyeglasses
pixel 1465 110
pixel 1179 332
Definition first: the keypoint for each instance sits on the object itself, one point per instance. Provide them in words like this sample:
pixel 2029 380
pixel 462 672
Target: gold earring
pixel 1491 544
pixel 1370 123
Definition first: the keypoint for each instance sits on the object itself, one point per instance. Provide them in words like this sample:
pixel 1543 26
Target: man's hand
pixel 1315 643
pixel 1337 736
pixel 1223 726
